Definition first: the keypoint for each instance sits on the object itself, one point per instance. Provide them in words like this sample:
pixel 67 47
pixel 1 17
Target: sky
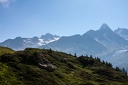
pixel 29 18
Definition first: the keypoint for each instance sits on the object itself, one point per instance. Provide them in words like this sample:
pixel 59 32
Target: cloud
pixel 6 3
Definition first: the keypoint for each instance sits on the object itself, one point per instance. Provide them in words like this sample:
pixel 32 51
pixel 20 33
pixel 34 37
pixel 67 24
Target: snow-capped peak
pixel 43 42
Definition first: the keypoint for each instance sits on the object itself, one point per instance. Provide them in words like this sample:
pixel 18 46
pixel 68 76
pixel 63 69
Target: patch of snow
pixel 55 39
pixel 119 52
pixel 97 39
pixel 41 42
pixel 27 41
pixel 124 36
pixel 24 40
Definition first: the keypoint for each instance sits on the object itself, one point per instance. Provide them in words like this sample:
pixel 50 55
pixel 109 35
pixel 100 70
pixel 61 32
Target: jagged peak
pixel 120 29
pixel 104 27
pixel 18 38
pixel 49 35
pixel 35 37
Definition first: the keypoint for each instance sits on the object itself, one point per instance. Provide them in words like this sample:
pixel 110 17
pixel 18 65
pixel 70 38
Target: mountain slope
pixel 47 67
pixel 76 44
pixel 5 50
pixel 120 59
pixel 123 32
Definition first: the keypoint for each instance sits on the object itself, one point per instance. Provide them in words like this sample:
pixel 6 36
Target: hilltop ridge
pixel 47 67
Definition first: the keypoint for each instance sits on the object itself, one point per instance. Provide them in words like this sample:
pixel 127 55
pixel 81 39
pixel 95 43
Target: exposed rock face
pixel 36 59
pixel 42 62
pixel 48 67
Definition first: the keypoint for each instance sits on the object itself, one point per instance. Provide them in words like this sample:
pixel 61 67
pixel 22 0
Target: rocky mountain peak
pixel 105 27
pixel 49 36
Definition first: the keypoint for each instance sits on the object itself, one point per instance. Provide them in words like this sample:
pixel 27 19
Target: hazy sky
pixel 28 18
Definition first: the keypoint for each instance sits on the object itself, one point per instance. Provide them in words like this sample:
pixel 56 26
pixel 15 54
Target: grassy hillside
pixel 47 67
pixel 5 50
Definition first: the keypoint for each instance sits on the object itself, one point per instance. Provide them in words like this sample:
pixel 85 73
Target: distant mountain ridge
pixel 115 42
pixel 105 34
pixel 104 43
pixel 123 32
pixel 111 40
pixel 80 44
pixel 20 43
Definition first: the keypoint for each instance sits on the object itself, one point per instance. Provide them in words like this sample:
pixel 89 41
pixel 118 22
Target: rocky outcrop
pixel 48 67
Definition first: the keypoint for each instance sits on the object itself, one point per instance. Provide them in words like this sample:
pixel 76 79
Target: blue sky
pixel 28 18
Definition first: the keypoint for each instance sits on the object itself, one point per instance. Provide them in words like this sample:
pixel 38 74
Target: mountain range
pixel 105 43
pixel 80 44
pixel 21 43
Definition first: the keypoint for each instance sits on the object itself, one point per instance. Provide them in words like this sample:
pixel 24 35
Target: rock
pixel 48 67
